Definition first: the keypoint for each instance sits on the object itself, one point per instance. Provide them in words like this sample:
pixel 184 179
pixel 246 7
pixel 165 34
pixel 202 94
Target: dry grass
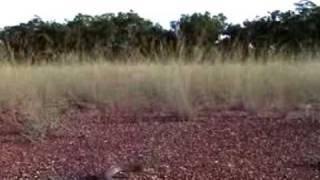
pixel 254 85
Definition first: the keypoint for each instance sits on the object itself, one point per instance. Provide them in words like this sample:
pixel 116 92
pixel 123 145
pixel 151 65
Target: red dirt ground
pixel 215 144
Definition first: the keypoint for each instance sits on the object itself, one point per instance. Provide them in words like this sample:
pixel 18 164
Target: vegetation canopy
pixel 126 35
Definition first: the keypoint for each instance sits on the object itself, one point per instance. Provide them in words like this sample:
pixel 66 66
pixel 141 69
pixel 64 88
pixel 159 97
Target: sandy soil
pixel 216 144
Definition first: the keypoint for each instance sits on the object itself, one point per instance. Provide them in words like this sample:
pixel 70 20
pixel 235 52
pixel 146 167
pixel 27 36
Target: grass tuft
pixel 44 89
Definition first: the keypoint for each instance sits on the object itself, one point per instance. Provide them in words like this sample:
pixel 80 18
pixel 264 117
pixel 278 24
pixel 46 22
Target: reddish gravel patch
pixel 216 144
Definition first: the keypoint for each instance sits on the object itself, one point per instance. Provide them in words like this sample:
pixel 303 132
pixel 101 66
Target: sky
pixel 13 12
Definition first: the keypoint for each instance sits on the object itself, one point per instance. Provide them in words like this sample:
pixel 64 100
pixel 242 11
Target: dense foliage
pixel 128 34
pixel 289 32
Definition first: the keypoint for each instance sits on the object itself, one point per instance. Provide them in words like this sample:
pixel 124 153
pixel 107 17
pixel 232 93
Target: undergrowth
pixel 46 89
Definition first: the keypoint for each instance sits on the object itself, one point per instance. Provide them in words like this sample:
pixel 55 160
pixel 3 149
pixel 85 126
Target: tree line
pixel 127 34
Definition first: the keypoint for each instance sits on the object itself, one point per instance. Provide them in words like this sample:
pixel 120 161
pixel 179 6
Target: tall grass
pixel 44 88
pixel 177 84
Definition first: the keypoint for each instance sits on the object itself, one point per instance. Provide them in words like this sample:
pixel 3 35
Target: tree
pixel 200 29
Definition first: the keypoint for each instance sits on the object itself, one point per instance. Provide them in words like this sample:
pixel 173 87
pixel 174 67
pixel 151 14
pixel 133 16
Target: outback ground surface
pixel 217 143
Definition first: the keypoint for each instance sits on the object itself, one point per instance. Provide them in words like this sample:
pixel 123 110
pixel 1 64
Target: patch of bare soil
pixel 214 144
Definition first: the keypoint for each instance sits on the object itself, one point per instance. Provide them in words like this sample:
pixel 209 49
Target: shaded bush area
pixel 107 35
pixel 288 33
pixel 127 34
